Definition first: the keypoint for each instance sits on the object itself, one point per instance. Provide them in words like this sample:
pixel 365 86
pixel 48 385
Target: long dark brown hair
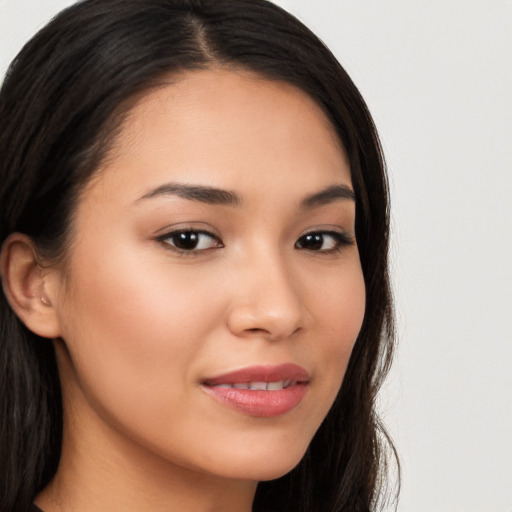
pixel 61 104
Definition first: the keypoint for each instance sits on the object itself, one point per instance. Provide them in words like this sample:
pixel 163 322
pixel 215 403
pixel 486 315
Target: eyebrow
pixel 217 196
pixel 327 196
pixel 204 194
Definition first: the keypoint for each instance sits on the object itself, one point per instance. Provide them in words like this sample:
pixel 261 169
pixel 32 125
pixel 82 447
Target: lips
pixel 261 391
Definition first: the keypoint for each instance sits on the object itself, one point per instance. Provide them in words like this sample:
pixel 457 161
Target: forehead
pixel 228 129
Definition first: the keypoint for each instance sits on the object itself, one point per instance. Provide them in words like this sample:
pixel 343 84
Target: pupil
pixel 313 241
pixel 186 240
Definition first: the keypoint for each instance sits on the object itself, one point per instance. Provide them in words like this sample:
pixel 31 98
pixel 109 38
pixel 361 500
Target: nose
pixel 266 301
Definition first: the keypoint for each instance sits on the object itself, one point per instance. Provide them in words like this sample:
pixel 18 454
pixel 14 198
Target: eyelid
pixel 180 227
pixel 329 229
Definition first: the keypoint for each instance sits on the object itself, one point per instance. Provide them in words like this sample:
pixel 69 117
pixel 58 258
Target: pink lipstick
pixel 264 391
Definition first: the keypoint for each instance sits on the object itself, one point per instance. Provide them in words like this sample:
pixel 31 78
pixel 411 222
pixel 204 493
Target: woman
pixel 196 311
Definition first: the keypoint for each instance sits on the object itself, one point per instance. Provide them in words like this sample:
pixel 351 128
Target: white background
pixel 437 75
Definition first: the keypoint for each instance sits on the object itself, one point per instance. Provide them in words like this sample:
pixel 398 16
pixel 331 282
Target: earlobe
pixel 25 287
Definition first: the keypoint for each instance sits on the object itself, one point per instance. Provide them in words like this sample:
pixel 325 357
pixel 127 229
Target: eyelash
pixel 341 240
pixel 189 252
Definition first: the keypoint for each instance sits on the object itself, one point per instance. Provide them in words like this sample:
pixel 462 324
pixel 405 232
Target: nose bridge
pixel 267 300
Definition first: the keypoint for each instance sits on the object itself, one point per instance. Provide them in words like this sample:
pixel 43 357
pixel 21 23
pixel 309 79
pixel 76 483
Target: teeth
pixel 259 386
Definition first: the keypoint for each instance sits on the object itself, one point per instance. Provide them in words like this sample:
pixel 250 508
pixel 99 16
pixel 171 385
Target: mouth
pixel 259 386
pixel 260 391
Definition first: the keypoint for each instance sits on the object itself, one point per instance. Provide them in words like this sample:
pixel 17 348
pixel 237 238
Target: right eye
pixel 190 240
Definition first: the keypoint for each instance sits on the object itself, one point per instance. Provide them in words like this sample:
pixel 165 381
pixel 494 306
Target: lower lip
pixel 262 404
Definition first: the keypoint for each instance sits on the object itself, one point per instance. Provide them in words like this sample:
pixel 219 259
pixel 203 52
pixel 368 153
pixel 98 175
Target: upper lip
pixel 261 373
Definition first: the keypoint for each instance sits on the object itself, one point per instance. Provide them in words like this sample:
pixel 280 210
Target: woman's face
pixel 213 251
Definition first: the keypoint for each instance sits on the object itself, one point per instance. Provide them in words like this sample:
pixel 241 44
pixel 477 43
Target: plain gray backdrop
pixel 437 76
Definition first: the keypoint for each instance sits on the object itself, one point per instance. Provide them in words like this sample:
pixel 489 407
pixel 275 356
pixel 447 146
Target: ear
pixel 24 283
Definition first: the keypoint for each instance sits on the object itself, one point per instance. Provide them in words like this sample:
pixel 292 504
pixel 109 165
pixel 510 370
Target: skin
pixel 140 325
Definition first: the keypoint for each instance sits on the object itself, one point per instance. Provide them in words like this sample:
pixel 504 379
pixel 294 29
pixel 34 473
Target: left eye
pixel 190 240
pixel 327 241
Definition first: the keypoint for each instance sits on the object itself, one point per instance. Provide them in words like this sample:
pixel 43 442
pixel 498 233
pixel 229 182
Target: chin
pixel 265 465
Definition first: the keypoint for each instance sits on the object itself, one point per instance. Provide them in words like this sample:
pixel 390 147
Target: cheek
pixel 132 326
pixel 346 316
pixel 337 309
pixel 339 306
